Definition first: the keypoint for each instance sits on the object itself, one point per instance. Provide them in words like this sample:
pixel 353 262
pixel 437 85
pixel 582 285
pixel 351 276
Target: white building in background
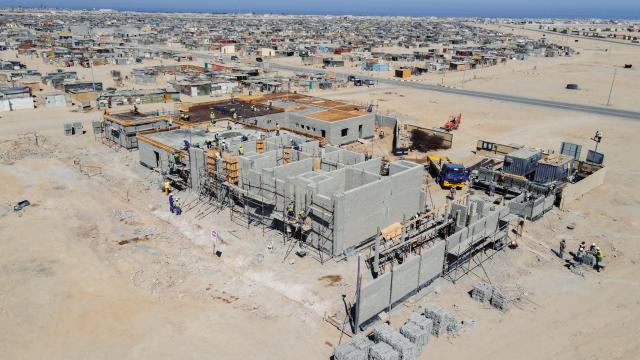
pixel 51 100
pixel 12 99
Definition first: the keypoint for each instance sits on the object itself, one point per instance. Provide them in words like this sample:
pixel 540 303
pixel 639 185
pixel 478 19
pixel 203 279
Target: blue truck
pixel 447 173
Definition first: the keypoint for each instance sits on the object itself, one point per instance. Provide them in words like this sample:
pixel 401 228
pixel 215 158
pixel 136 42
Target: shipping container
pixel 555 167
pixel 522 162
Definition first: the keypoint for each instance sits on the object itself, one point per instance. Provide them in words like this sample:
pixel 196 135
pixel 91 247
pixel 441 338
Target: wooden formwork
pixel 286 155
pixel 231 168
pixel 259 146
pixel 212 155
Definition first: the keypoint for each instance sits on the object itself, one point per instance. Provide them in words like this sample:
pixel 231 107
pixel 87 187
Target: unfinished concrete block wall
pixel 322 217
pixel 372 165
pixel 359 212
pixel 387 121
pixel 197 166
pixel 379 294
pixel 154 157
pixel 356 128
pixel 250 166
pixel 406 198
pixel 268 121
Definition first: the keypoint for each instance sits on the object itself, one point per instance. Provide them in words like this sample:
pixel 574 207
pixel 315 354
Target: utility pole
pixel 615 71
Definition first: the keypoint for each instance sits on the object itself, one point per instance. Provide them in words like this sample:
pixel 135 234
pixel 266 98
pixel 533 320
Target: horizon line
pixel 293 13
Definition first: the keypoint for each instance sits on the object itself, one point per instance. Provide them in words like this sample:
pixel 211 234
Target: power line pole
pixel 615 71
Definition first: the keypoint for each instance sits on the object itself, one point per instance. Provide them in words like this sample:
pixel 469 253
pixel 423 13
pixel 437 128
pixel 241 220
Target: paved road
pixel 483 95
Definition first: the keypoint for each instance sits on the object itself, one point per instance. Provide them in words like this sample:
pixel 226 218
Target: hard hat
pixel 597 247
pixel 593 244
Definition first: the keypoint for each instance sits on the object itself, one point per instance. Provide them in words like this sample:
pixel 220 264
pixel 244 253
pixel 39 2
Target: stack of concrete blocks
pixel 482 292
pixel 424 324
pixel 349 352
pixel 387 334
pixel 416 334
pixel 357 349
pixel 361 342
pixel 589 259
pixel 443 322
pixel 498 300
pixel 382 351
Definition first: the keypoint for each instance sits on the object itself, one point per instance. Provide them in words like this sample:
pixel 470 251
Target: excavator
pixel 453 123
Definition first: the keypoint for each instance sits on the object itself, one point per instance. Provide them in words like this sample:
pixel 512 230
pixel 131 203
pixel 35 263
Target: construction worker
pixel 176 207
pixel 290 208
pixel 171 203
pixel 235 116
pixel 520 229
pixel 563 245
pixel 228 125
pixel 581 253
pixel 212 117
pixel 599 257
pixel 452 193
pixel 277 129
pixel 166 186
pixel 241 150
pixel 592 249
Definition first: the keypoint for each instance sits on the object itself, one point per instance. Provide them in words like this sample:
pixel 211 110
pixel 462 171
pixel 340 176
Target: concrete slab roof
pixel 335 115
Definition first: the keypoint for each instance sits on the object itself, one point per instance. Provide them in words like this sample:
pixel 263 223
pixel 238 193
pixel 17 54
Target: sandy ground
pixel 98 268
pixel 541 77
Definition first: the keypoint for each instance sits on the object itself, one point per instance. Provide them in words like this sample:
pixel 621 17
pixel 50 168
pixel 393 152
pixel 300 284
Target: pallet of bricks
pixel 487 293
pixel 386 343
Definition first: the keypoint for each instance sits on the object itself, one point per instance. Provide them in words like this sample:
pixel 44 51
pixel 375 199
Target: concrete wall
pixel 197 164
pixel 148 157
pixel 125 136
pixel 575 191
pixel 374 297
pixel 16 104
pixel 403 280
pixel 387 121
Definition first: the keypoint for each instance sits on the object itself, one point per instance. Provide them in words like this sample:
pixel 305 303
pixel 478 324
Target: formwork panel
pixel 405 279
pixel 374 297
pixel 432 262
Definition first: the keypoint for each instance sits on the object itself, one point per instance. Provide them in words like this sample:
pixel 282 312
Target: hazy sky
pixel 486 8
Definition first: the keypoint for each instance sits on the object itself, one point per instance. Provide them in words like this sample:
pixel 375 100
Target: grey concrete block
pixel 589 259
pixel 482 292
pixel 349 352
pixel 424 324
pixel 361 342
pixel 385 333
pixel 415 334
pixel 498 300
pixel 382 351
pixel 441 319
